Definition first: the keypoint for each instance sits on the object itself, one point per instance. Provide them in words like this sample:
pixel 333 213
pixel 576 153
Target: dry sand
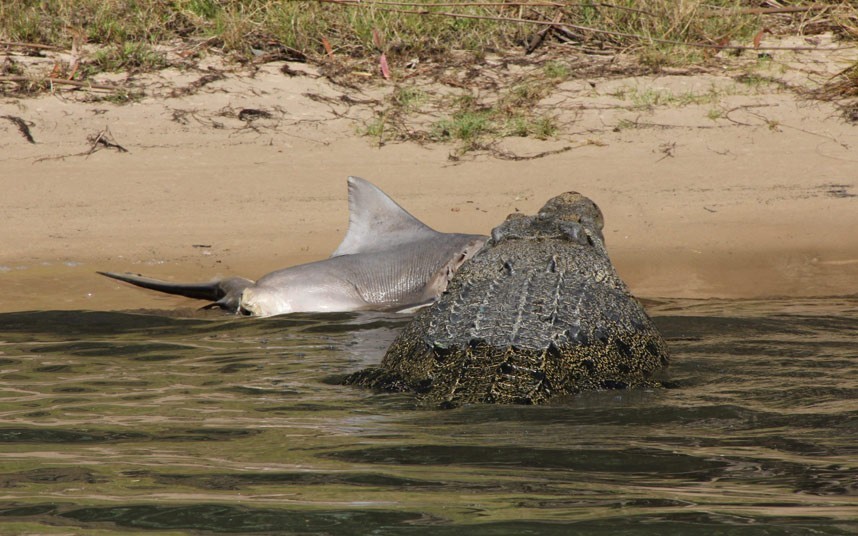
pixel 750 193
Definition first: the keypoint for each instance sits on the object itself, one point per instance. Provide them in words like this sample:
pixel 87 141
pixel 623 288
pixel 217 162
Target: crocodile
pixel 539 312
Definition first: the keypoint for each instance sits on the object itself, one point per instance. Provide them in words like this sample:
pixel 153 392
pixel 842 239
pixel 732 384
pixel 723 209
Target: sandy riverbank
pixel 759 199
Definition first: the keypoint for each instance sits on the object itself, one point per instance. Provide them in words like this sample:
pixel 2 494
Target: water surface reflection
pixel 111 422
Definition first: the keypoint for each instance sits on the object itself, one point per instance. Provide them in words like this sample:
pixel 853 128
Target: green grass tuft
pixel 128 56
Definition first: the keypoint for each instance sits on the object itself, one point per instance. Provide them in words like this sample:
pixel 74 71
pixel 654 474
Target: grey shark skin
pixel 388 261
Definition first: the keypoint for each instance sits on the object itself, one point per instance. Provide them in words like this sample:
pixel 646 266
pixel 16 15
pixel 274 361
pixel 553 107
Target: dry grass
pixel 338 34
pixel 661 31
pixel 841 89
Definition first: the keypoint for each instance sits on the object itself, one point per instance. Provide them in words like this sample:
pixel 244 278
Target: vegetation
pixel 133 35
pixel 660 31
pixel 467 119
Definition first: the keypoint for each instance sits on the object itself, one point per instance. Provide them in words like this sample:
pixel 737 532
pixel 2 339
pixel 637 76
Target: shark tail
pixel 225 293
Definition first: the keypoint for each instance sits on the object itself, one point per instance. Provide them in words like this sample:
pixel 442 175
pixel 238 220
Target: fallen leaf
pixel 385 69
pixel 376 39
pixel 759 37
pixel 75 63
pixel 328 48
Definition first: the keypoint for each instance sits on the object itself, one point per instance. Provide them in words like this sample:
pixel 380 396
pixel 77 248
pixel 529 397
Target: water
pixel 113 423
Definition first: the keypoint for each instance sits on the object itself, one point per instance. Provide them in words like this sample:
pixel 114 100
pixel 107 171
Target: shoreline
pixel 74 285
pixel 759 205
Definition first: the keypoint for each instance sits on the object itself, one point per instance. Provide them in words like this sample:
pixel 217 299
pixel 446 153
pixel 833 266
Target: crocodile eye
pixel 574 231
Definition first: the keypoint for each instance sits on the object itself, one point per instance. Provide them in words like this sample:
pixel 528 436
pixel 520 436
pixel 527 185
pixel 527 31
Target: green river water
pixel 124 423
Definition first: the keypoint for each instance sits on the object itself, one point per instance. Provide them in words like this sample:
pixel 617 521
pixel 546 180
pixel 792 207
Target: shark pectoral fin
pixel 215 291
pixel 413 308
pixel 229 303
pixel 232 289
pixel 377 222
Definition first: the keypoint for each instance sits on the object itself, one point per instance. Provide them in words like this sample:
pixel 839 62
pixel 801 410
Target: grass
pixel 409 98
pixel 129 56
pixel 647 98
pixel 843 90
pixel 387 123
pixel 468 120
pixel 240 26
pixel 127 35
pixel 473 124
pixel 658 30
pixel 556 70
pixel 376 129
pixel 466 126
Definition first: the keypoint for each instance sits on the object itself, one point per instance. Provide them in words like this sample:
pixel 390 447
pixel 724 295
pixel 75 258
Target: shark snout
pixel 249 304
pixel 261 301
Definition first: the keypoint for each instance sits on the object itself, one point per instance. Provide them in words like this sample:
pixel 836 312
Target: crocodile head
pixel 568 216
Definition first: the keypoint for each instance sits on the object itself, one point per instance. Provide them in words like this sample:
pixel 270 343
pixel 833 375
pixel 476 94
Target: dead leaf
pixel 328 49
pixel 759 37
pixel 385 69
pixel 376 39
pixel 73 68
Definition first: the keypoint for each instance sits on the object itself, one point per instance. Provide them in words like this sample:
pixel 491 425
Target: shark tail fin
pixel 225 292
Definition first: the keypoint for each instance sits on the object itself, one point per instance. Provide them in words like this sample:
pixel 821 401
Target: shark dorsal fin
pixel 377 222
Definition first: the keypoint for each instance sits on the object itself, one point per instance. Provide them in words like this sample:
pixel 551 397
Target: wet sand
pixel 752 194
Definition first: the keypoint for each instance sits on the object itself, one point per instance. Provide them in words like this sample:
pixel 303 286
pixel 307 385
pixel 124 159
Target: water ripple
pixel 139 421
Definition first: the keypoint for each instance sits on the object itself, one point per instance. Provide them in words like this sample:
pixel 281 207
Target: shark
pixel 388 261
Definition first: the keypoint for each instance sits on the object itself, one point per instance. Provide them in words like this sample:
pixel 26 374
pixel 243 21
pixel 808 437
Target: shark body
pixel 388 261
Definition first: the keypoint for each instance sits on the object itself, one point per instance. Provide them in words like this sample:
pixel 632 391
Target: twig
pixel 365 3
pixel 197 84
pixel 104 138
pixel 744 107
pixel 536 40
pixel 22 127
pixel 76 83
pixel 774 10
pixel 715 12
pixel 444 4
pixel 519 20
pixel 805 131
pixel 28 45
pixel 667 150
pixel 714 46
pixel 506 155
